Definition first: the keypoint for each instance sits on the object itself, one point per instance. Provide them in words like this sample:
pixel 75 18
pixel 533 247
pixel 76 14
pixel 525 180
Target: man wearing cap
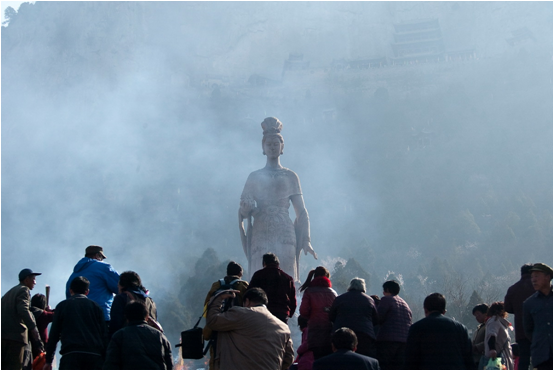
pixel 18 324
pixel 538 317
pixel 103 278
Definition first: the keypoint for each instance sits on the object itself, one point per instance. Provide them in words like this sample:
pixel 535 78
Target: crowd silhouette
pixel 109 321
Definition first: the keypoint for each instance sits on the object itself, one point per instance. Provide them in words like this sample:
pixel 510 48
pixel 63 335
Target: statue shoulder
pixel 291 174
pixel 255 176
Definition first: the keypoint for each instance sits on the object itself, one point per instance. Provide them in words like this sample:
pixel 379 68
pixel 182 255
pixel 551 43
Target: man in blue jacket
pixel 103 278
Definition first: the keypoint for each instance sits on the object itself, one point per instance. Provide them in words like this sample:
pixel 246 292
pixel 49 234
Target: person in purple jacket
pixel 395 318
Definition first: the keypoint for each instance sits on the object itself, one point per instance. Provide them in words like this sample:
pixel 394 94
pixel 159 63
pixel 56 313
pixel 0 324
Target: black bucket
pixel 192 343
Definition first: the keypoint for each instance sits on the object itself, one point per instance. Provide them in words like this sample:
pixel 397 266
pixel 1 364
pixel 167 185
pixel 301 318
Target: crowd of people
pixel 109 321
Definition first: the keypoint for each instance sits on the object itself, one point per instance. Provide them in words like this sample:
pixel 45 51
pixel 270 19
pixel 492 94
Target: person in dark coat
pixel 315 306
pixel 437 342
pixel 538 317
pixel 356 310
pixel 395 318
pixel 18 323
pixel 43 316
pixel 480 314
pixel 130 288
pixel 80 325
pixel 516 295
pixel 344 343
pixel 234 280
pixel 138 346
pixel 278 286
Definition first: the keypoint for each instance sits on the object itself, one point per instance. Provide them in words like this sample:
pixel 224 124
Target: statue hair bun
pixel 271 125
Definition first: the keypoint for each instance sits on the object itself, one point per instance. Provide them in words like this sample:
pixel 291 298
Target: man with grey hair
pixel 356 311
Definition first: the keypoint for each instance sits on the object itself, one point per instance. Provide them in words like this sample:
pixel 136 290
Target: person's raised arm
pixel 112 279
pixel 221 321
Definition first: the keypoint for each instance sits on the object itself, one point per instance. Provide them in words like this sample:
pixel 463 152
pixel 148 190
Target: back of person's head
pixel 255 295
pixel 320 271
pixel 435 303
pixel 38 301
pixel 376 299
pixel 270 258
pixel 357 284
pixel 482 308
pixel 302 322
pixel 497 309
pixel 135 311
pixel 391 286
pixel 234 269
pixel 344 338
pixel 93 250
pixel 79 285
pixel 525 269
pixel 130 280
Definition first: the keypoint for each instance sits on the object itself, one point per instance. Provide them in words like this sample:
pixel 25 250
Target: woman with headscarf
pixel 317 300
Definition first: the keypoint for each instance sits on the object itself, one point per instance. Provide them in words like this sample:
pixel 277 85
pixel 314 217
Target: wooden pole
pixel 47 294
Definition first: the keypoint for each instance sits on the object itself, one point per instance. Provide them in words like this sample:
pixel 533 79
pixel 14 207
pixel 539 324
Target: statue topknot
pixel 271 125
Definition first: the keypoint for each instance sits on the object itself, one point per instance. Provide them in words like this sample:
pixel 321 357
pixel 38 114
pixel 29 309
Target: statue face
pixel 272 146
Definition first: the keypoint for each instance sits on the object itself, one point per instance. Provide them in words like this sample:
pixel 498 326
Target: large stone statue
pixel 266 199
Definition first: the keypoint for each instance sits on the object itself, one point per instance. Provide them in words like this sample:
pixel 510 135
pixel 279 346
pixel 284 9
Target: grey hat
pixel 541 267
pixel 26 273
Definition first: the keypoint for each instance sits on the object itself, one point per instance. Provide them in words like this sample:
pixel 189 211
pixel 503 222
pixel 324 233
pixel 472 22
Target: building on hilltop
pixel 368 63
pixel 520 36
pixel 457 55
pixel 417 41
pixel 295 62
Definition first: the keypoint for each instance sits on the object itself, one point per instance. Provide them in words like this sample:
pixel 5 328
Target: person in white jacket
pixel 497 341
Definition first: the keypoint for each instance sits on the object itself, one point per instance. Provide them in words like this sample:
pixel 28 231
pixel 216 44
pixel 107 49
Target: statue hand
pixel 307 248
pixel 246 206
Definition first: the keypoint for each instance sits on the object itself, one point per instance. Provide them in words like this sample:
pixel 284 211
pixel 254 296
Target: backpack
pixel 151 321
pixel 232 285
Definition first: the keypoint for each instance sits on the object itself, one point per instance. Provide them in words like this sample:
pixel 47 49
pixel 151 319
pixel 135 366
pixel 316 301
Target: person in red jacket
pixel 317 300
pixel 305 359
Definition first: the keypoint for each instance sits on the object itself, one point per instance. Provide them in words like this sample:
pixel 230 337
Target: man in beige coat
pixel 18 324
pixel 249 337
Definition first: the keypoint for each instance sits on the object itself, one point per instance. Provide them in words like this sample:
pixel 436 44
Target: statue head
pixel 271 131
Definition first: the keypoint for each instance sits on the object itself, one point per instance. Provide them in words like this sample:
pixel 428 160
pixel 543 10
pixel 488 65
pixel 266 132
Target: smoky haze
pixel 134 125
